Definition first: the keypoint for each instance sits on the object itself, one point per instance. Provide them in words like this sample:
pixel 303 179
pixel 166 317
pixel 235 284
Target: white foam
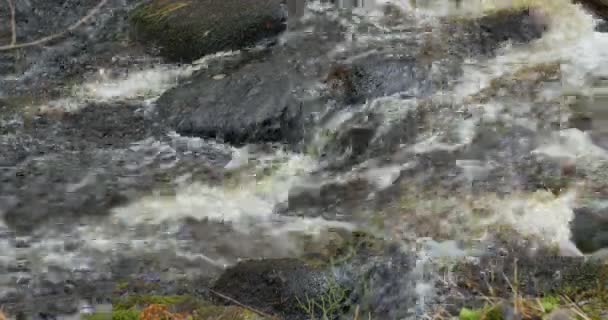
pixel 572 144
pixel 540 214
pixel 132 85
pixel 252 201
pixel 383 177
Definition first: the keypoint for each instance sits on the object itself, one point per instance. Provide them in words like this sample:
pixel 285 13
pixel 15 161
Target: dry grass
pixel 165 10
pixel 524 308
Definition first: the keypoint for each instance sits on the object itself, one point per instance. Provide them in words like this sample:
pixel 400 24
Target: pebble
pixel 560 314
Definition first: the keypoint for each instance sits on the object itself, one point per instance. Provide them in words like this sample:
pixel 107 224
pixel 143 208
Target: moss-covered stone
pixel 185 30
pixel 203 312
pixel 307 287
pixel 114 315
pixel 133 306
pixel 141 301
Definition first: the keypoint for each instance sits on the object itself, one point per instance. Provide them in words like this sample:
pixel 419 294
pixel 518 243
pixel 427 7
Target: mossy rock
pixel 130 307
pixel 275 286
pixel 206 312
pixel 530 276
pixel 186 30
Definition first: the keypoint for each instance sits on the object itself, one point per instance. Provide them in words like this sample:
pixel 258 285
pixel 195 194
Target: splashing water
pixel 153 224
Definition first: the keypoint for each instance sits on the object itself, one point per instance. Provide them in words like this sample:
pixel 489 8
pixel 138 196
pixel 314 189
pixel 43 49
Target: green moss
pixel 203 312
pixel 340 247
pixel 115 315
pixel 489 312
pixel 138 301
pixel 154 13
pixel 469 314
pixel 328 305
pixel 550 303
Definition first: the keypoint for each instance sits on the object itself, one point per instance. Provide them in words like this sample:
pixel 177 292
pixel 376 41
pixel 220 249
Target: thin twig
pixel 11 8
pixel 576 308
pixel 43 40
pixel 261 313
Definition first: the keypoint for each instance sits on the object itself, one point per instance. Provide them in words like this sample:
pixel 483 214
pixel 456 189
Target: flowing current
pixel 191 227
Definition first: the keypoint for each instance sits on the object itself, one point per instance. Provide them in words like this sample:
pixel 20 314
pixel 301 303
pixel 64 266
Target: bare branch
pixel 11 8
pixel 83 20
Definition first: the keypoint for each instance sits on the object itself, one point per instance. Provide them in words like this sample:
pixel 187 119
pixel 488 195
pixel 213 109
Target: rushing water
pixel 200 227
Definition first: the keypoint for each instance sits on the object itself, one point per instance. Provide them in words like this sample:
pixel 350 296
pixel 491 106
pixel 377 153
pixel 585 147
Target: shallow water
pixel 197 226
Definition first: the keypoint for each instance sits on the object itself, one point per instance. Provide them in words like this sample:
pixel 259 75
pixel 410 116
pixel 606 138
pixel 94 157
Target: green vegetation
pixel 115 315
pixel 327 306
pixel 539 308
pixel 583 293
pixel 486 313
pixel 133 307
pixel 141 301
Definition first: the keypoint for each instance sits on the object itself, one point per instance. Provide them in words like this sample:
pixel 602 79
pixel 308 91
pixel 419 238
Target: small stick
pixel 43 40
pixel 576 308
pixel 261 313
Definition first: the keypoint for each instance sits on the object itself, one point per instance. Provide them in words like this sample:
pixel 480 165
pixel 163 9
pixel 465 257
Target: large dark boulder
pixel 359 270
pixel 187 30
pixel 257 95
pixel 590 229
pixel 274 286
pixel 254 103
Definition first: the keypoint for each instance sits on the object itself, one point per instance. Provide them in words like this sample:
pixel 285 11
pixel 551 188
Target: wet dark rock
pixel 262 97
pixel 187 30
pixel 379 76
pixel 274 286
pixel 47 70
pixel 253 104
pixel 538 275
pixel 393 71
pixel 361 270
pixel 277 104
pixel 602 26
pixel 352 141
pixel 590 229
pixel 357 139
pixel 581 122
pixel 599 8
pixel 317 199
pixel 483 36
pixel 72 179
pixel 384 284
pixel 55 300
pixel 98 124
